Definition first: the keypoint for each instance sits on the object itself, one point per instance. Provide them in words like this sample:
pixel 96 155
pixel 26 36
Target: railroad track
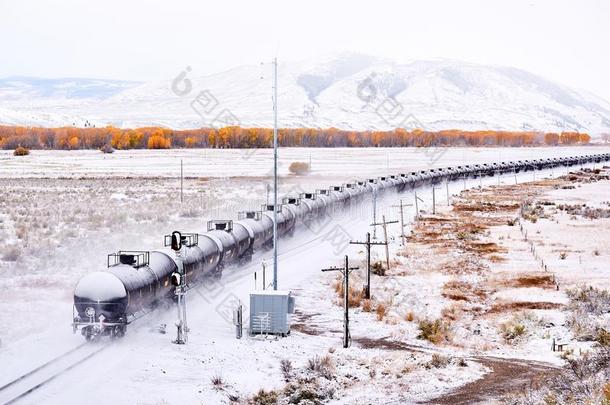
pixel 24 385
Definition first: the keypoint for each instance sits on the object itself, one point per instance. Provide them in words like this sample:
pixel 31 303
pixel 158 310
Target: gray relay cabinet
pixel 269 311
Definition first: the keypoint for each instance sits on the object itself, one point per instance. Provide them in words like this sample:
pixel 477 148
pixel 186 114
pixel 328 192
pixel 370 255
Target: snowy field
pixel 344 163
pixel 63 211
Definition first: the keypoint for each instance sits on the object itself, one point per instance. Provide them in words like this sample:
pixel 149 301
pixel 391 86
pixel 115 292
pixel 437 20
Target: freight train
pixel 106 301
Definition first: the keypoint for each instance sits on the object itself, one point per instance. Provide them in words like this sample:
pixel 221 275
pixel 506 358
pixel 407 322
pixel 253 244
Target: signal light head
pixel 176 240
pixel 176 279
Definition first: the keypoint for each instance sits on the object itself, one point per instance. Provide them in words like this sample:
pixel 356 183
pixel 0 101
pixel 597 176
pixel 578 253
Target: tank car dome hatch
pixel 100 286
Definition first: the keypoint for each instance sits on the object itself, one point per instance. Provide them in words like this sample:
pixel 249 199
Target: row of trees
pixel 237 137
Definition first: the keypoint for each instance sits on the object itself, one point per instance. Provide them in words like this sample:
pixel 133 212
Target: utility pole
pixel 181 182
pixel 417 206
pixel 275 173
pixel 402 221
pixel 368 244
pixel 433 200
pixel 447 186
pixel 345 271
pixel 385 235
pixel 374 211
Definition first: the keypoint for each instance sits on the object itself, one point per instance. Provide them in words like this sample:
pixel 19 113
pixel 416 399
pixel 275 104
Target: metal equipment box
pixel 269 311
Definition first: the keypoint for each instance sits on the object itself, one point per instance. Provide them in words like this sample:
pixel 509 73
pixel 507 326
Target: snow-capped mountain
pixel 348 91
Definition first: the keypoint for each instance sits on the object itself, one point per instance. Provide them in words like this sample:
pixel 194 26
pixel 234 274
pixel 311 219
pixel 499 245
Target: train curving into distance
pixel 106 301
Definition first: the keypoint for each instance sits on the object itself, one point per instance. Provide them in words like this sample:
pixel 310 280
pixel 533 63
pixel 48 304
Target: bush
pixel 378 269
pixel 367 305
pixel 286 367
pixel 107 149
pixel 512 331
pixel 263 397
pixel 217 382
pixel 433 331
pixel 21 151
pixel 299 168
pixel 322 365
pixel 438 361
pixel 381 311
pixel 603 337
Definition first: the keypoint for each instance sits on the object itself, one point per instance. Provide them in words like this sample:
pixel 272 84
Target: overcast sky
pixel 563 40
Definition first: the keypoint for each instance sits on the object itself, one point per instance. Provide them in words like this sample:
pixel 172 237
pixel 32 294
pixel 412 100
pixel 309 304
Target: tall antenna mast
pixel 275 173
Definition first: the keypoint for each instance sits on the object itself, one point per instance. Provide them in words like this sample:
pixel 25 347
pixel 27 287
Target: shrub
pixel 590 300
pixel 322 365
pixel 378 269
pixel 217 382
pixel 433 331
pixel 367 305
pixel 563 255
pixel 409 317
pixel 21 151
pixel 438 361
pixel 299 168
pixel 603 337
pixel 107 149
pixel 512 331
pixel 286 367
pixel 355 297
pixel 263 397
pixel 381 311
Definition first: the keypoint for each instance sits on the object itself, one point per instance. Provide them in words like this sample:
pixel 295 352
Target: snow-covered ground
pixel 326 163
pixel 92 204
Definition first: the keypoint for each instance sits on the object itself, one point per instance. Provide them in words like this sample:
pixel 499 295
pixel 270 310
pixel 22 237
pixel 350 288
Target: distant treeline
pixel 236 137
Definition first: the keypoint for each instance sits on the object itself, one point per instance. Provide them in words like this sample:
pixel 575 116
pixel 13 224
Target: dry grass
pixel 516 306
pixel 456 290
pixel 409 316
pixel 496 259
pixel 367 305
pixel 543 280
pixel 381 311
pixel 453 312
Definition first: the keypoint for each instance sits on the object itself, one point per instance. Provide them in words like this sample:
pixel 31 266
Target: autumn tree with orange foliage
pixel 238 137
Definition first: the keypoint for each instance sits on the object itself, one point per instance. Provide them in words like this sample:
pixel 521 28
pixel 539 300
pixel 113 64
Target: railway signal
pixel 368 244
pixel 345 270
